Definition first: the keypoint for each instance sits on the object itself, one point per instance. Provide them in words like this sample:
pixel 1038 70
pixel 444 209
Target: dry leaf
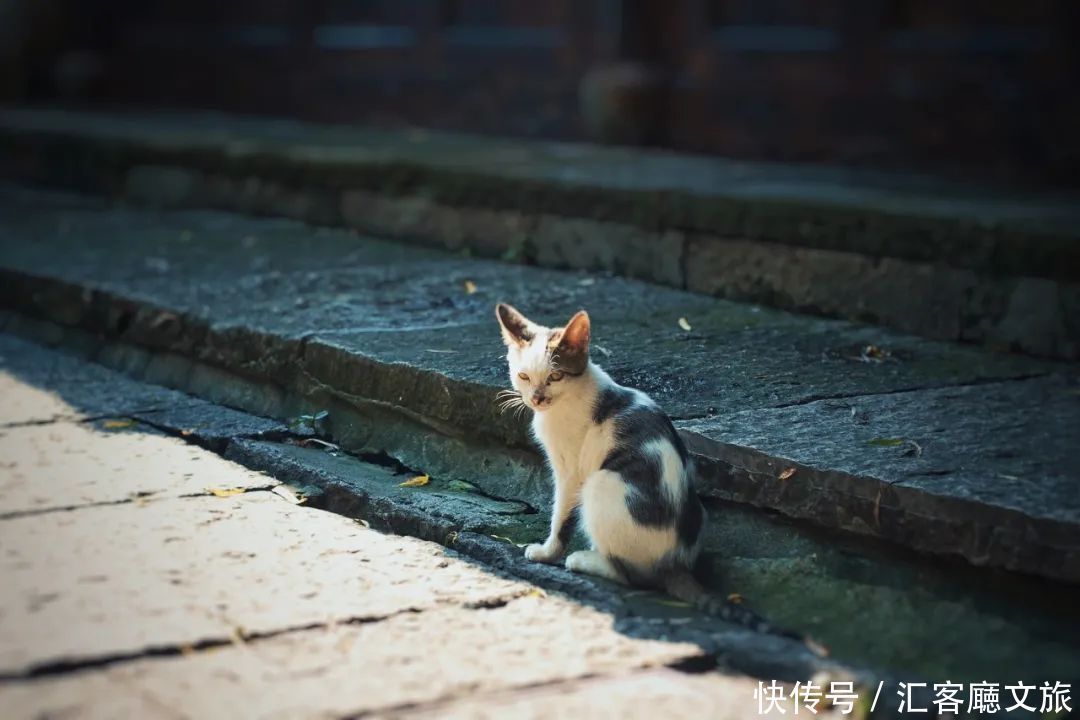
pixel 163 319
pixel 536 592
pixel 117 424
pixel 470 287
pixel 283 491
pixel 735 599
pixel 418 481
pixel 684 324
pixel 226 492
pixel 308 442
pixel 787 473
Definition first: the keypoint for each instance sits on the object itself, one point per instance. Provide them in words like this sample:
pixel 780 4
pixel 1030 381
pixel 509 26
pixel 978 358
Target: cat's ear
pixel 573 349
pixel 516 328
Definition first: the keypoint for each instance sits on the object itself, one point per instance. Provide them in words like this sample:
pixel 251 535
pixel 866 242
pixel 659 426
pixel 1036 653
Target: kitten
pixel 620 469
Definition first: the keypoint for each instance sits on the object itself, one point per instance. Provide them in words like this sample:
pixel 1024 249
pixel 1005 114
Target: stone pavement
pixel 993 265
pixel 924 621
pixel 146 577
pixel 946 449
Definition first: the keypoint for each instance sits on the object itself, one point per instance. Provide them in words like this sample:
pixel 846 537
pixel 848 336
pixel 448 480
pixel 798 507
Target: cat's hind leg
pixel 626 546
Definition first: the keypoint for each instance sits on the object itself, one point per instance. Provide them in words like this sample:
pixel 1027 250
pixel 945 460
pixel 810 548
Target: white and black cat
pixel 620 469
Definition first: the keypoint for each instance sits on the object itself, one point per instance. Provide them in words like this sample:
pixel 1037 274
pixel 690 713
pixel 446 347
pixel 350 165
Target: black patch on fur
pixel 611 401
pixel 691 516
pixel 646 499
pixel 642 472
pixel 569 527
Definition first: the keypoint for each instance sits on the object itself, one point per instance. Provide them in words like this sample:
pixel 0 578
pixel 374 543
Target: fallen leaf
pixel 817 648
pixel 451 538
pixel 787 473
pixel 308 442
pixel 285 492
pixel 117 424
pixel 684 324
pixel 162 319
pixel 226 492
pixel 873 353
pixel 536 592
pixel 461 486
pixel 886 442
pixel 735 599
pixel 470 287
pixel 915 449
pixel 418 481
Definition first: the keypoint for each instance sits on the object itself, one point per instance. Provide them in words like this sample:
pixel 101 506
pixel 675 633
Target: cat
pixel 621 472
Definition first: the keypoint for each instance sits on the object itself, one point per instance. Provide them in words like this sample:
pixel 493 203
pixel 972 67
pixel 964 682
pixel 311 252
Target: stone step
pixel 998 266
pixel 946 449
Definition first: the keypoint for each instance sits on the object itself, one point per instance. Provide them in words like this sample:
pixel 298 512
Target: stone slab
pixel 640 695
pixel 411 336
pixel 856 210
pixel 796 577
pixel 198 569
pixel 65 465
pixel 405 660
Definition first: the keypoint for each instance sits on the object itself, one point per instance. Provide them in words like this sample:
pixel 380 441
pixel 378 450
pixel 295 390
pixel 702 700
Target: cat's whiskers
pixel 510 399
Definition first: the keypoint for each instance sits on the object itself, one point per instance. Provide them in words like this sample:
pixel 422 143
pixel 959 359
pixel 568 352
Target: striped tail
pixel 681 585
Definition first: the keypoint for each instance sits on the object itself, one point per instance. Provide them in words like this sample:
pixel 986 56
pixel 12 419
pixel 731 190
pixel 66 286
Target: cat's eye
pixel 555 376
pixel 523 376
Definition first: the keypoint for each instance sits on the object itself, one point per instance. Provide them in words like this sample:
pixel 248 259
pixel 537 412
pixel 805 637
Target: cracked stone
pixel 175 571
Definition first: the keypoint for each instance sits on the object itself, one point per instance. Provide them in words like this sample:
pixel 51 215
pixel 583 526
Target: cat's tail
pixel 682 585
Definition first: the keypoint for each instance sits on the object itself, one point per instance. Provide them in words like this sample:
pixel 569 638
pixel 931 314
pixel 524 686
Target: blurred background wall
pixel 977 88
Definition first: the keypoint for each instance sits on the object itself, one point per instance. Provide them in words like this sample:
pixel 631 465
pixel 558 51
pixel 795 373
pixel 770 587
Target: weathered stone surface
pixel 75 464
pixel 934 300
pixel 640 695
pixel 405 660
pixel 76 390
pixel 618 248
pixel 391 338
pixel 248 604
pixel 884 465
pixel 607 208
pixel 190 570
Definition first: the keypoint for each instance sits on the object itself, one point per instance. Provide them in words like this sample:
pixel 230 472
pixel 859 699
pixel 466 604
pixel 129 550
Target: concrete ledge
pixel 949 262
pixel 278 318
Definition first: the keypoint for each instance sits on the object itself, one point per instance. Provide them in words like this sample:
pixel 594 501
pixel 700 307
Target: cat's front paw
pixel 541 553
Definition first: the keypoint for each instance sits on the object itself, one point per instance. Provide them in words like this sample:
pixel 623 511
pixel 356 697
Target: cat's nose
pixel 538 398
